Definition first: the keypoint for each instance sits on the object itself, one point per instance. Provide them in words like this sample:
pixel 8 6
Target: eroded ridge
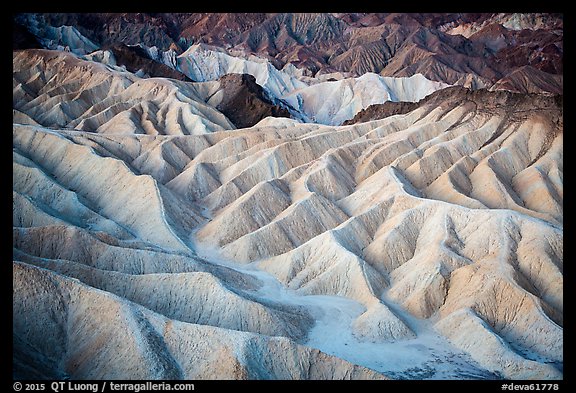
pixel 220 255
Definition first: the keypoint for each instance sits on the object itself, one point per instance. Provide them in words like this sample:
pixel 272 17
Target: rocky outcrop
pixel 244 102
pixel 381 111
pixel 136 59
pixel 503 101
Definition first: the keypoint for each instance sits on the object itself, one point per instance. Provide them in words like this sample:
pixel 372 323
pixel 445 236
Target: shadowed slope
pixel 235 253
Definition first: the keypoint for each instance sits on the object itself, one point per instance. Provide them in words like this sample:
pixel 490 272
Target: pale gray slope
pixel 390 234
pixel 59 89
pixel 79 332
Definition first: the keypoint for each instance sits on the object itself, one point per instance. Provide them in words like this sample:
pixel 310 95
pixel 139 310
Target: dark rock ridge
pixel 515 105
pixel 244 101
pixel 22 38
pixel 381 111
pixel 134 58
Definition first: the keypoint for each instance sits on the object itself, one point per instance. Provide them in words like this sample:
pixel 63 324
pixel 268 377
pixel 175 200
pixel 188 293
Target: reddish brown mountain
pixel 474 49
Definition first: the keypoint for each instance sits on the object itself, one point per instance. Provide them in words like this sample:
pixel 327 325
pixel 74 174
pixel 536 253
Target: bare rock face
pixel 244 101
pixel 472 49
pixel 528 79
pixel 380 111
pixel 165 229
pixel 482 99
pixel 136 59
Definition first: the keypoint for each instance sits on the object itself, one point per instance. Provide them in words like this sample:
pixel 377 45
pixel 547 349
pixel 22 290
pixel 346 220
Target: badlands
pixel 248 222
